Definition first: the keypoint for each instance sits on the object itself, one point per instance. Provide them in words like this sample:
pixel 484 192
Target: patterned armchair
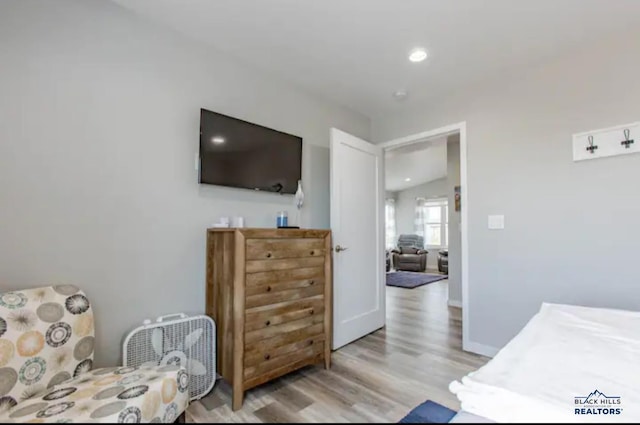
pixel 46 367
pixel 410 254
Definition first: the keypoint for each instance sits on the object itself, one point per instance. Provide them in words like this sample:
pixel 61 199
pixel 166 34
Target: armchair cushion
pixel 124 394
pixel 409 250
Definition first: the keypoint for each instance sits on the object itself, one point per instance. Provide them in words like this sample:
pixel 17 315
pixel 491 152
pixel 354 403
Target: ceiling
pixel 355 51
pixel 421 162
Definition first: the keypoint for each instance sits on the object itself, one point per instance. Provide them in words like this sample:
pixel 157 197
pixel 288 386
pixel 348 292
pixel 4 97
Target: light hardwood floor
pixel 378 378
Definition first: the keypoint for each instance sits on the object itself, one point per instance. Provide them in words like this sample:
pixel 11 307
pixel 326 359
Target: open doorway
pixel 424 221
pixel 416 208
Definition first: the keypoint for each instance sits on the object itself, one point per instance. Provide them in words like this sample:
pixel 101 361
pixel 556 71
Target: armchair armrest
pixel 395 251
pixel 422 251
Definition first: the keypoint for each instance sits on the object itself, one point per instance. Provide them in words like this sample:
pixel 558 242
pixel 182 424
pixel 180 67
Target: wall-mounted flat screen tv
pixel 240 154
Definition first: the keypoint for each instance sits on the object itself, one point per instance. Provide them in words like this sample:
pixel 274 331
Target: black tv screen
pixel 237 153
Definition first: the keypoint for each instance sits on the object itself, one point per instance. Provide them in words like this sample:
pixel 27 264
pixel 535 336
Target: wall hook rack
pixel 591 148
pixel 606 142
pixel 627 142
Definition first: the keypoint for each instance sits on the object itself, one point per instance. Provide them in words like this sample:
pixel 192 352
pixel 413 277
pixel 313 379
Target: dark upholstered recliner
pixel 388 261
pixel 410 254
pixel 443 261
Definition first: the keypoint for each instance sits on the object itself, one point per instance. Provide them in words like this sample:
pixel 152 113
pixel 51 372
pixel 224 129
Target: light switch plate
pixel 496 222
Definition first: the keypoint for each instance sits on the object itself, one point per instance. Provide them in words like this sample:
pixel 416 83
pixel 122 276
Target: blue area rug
pixel 429 413
pixel 412 279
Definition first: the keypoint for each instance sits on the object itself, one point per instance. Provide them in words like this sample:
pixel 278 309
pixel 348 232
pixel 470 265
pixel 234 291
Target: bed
pixel 568 364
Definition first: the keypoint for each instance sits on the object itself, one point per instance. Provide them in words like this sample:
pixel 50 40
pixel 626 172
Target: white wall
pixel 571 228
pixel 455 220
pixel 99 124
pixel 406 210
pixel 388 194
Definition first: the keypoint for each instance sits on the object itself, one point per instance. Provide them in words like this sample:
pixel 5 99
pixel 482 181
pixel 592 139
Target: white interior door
pixel 357 224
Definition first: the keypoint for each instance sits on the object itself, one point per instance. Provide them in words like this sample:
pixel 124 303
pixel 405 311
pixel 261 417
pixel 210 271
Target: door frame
pixel 460 128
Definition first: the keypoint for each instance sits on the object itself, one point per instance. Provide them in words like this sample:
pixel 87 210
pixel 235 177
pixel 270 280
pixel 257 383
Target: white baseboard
pixel 483 350
pixel 454 303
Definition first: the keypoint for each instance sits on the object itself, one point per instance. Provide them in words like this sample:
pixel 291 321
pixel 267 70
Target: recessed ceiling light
pixel 418 54
pixel 218 140
pixel 407 179
pixel 400 95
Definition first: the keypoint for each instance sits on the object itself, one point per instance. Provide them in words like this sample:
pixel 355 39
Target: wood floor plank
pixel 277 413
pixel 292 397
pixel 378 378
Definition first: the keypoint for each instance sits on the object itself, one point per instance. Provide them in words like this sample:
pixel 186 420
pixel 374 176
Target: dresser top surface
pixel 272 232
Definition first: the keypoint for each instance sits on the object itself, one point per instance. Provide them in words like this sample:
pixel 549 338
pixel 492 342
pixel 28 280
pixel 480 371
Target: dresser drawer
pixel 272 315
pixel 283 328
pixel 264 346
pixel 276 366
pixel 269 288
pixel 259 353
pixel 265 249
pixel 269 298
pixel 257 266
pixel 278 276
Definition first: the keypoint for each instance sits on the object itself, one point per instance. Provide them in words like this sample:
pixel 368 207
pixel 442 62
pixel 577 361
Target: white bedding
pixel 563 352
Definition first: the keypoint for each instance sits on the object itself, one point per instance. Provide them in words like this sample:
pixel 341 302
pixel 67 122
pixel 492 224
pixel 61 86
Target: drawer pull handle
pixel 311 312
pixel 268 255
pixel 312 282
pixel 267 323
pixel 268 288
pixel 312 252
pixel 311 342
pixel 267 356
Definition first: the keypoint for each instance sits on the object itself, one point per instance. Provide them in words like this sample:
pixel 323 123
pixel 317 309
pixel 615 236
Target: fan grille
pixel 189 343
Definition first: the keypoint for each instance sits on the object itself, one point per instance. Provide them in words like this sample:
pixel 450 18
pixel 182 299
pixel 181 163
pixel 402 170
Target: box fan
pixel 176 339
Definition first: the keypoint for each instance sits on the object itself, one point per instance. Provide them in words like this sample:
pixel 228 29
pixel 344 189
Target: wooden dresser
pixel 269 292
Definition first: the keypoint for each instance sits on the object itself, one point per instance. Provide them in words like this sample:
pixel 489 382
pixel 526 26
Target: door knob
pixel 341 248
